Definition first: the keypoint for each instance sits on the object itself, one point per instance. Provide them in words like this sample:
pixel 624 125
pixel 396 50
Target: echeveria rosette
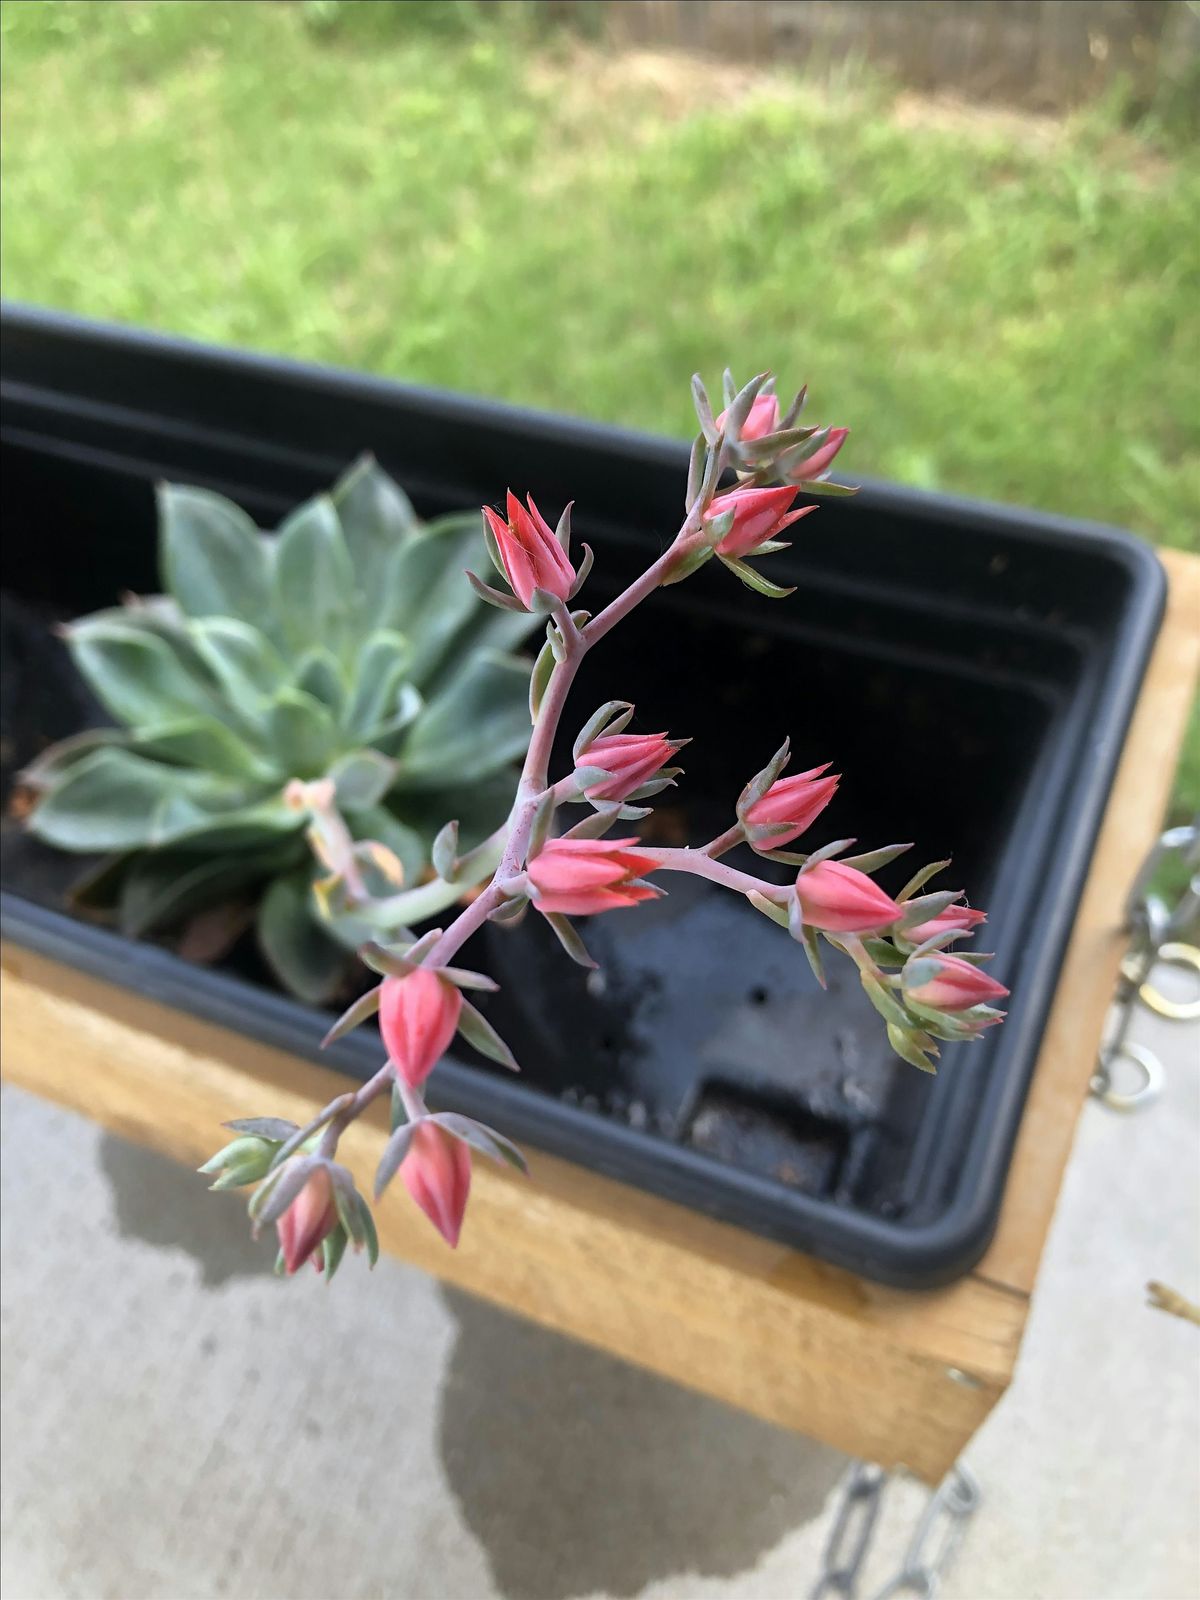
pixel 344 650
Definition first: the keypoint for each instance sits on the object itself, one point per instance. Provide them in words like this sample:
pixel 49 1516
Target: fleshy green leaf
pixel 47 768
pixel 812 949
pixel 908 1047
pixel 301 953
pixel 136 674
pixel 872 860
pixel 477 724
pixel 539 678
pixel 612 717
pixel 207 745
pixel 478 1032
pixel 319 675
pixel 302 733
pixel 444 851
pixel 769 908
pixel 377 520
pixel 369 1232
pixel 363 1009
pixel 160 888
pixel 333 1248
pixel 394 1153
pixel 244 662
pixel 431 598
pixel 115 800
pixel 314 578
pixel 754 579
pixel 211 556
pixel 361 779
pixel 570 940
pixel 486 1140
pixel 921 878
pixel 379 671
pixel 274 1128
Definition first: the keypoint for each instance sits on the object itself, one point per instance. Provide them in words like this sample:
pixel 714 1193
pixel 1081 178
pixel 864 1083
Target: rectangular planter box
pixel 970 669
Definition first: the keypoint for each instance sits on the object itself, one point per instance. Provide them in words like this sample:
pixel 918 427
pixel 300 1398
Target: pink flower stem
pixel 852 944
pixel 702 865
pixel 370 1090
pixel 725 841
pixel 534 781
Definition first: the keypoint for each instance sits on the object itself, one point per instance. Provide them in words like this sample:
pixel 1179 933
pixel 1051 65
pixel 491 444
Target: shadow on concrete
pixel 164 1204
pixel 581 1475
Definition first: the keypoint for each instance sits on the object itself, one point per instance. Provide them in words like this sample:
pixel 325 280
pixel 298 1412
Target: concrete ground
pixel 180 1425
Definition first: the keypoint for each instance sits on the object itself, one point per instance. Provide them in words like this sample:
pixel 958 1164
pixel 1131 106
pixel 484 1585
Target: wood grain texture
pixel 1071 1043
pixel 891 1376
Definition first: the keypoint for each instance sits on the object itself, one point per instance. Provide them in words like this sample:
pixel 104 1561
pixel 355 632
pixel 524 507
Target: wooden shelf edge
pixel 1133 817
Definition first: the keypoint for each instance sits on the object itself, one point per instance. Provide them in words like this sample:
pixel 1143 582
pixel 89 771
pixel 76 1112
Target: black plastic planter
pixel 970 669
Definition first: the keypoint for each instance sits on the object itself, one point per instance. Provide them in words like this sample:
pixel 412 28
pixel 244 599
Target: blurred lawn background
pixel 999 304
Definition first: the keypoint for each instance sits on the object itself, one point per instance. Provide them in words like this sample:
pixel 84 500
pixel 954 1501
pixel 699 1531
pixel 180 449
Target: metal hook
pixel 1175 954
pixel 1129 1099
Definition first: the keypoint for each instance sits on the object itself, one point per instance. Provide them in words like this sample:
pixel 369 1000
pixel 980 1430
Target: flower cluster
pixel 899 943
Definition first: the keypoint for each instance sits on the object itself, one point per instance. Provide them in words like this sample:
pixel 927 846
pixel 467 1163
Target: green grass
pixel 998 306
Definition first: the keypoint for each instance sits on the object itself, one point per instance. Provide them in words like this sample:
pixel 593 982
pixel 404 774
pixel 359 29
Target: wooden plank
pixel 892 1376
pixel 1072 1040
pixel 896 1377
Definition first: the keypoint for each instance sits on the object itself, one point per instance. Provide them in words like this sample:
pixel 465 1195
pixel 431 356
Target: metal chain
pixel 935 1539
pixel 938 1535
pixel 851 1533
pixel 1155 936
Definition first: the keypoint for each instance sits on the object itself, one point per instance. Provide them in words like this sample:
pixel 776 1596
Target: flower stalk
pixel 922 995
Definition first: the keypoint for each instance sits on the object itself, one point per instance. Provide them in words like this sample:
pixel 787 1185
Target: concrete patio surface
pixel 180 1425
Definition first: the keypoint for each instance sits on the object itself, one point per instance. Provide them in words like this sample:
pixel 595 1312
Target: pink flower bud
pixel 578 877
pixel 798 801
pixel 948 983
pixel 418 1014
pixel 532 556
pixel 437 1174
pixel 762 420
pixel 959 919
pixel 821 460
pixel 841 899
pixel 308 1221
pixel 758 515
pixel 632 758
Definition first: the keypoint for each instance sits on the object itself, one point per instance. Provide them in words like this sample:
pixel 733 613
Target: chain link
pixel 938 1535
pixel 1155 933
pixel 935 1539
pixel 850 1537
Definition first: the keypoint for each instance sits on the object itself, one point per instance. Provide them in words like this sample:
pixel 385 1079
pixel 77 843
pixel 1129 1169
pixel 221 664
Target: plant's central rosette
pixel 899 943
pixel 300 711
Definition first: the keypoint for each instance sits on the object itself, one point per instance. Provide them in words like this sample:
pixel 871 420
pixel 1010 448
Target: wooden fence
pixel 1044 54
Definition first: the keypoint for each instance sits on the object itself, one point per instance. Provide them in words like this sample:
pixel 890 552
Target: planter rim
pixel 1017 521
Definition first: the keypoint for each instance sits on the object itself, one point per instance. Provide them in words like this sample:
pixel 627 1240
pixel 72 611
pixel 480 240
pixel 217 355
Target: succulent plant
pixel 347 645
